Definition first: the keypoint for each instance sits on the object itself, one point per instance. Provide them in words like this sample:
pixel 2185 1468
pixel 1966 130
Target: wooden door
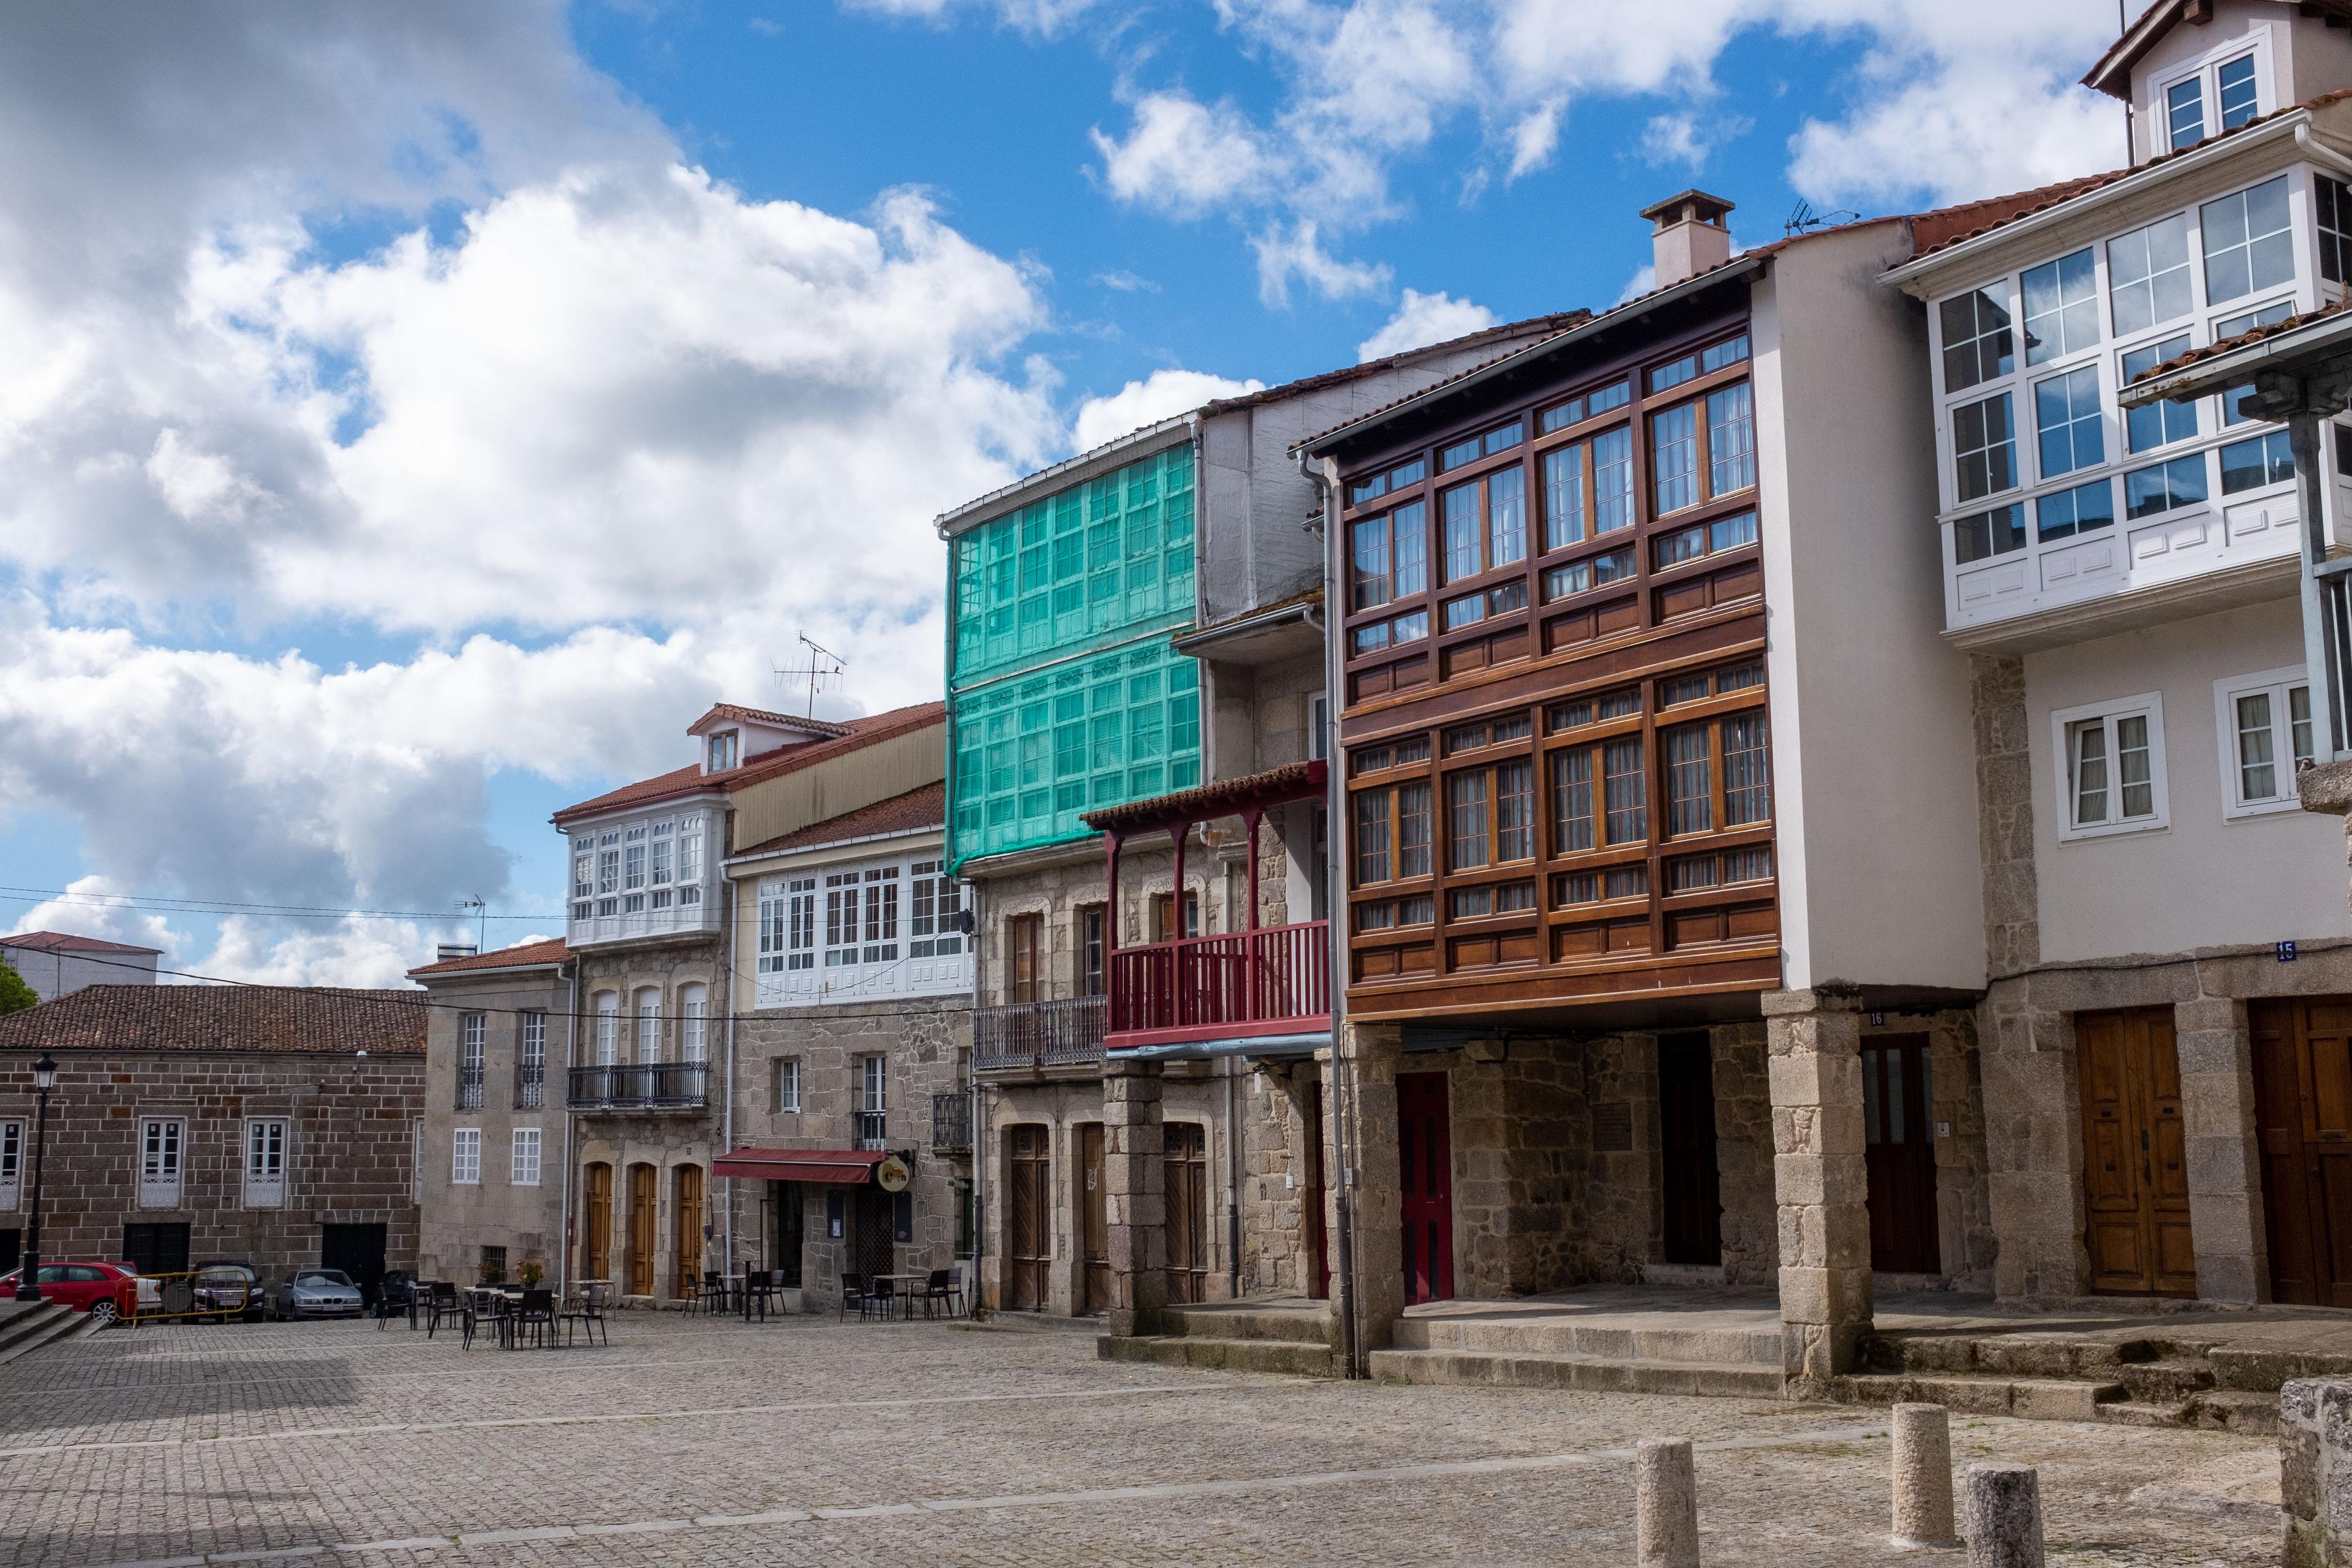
pixel 791 1238
pixel 1425 1166
pixel 1020 942
pixel 1318 1250
pixel 1187 1165
pixel 1899 1155
pixel 1094 1224
pixel 1164 917
pixel 2303 1102
pixel 600 1222
pixel 1692 1196
pixel 689 1220
pixel 641 1230
pixel 2135 1163
pixel 1027 1222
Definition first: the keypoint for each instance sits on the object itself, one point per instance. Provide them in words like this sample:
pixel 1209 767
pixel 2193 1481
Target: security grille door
pixel 871 1248
pixel 2134 1162
pixel 1425 1162
pixel 156 1248
pixel 1899 1155
pixel 599 1220
pixel 641 1230
pixel 1187 1165
pixel 1095 1222
pixel 2303 1100
pixel 789 1233
pixel 1028 1224
pixel 1694 1191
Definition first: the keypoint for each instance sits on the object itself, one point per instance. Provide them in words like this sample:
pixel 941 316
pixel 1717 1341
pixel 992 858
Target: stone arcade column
pixel 2225 1189
pixel 1135 1195
pixel 1815 1063
pixel 1372 1055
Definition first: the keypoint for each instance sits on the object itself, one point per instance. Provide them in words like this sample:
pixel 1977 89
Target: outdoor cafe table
pixel 905 1291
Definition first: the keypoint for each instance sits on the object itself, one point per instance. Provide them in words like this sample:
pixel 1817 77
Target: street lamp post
pixel 29 1274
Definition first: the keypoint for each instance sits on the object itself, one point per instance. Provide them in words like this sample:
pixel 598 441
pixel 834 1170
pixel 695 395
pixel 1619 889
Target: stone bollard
pixel 1922 1476
pixel 1666 1506
pixel 2004 1521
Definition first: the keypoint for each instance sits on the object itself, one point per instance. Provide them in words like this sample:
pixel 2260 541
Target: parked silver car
pixel 315 1293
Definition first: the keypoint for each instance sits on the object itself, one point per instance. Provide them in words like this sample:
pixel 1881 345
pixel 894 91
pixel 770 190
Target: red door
pixel 1425 1166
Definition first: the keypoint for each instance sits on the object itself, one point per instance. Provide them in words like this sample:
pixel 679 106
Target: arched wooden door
pixel 599 1205
pixel 641 1230
pixel 1028 1220
pixel 689 1220
pixel 1187 1165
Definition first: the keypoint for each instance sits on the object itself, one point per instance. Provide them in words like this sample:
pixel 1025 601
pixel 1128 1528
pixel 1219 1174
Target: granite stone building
pixel 501 1028
pixel 274 1125
pixel 855 1048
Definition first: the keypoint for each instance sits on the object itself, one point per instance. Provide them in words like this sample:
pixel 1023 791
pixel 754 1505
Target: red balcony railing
pixel 1265 982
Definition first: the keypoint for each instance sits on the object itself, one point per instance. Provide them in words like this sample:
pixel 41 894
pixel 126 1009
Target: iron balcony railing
pixel 873 1130
pixel 469 1089
pixel 952 1121
pixel 649 1086
pixel 1067 1033
pixel 530 1085
pixel 1274 975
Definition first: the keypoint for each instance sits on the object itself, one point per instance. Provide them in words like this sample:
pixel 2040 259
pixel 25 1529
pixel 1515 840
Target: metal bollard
pixel 2004 1516
pixel 1922 1476
pixel 1666 1506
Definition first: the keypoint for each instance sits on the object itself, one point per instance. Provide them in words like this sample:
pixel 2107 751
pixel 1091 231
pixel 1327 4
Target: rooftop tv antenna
pixel 823 665
pixel 1805 217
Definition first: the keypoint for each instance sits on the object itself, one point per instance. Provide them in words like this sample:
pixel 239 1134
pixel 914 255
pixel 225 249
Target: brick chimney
pixel 1688 234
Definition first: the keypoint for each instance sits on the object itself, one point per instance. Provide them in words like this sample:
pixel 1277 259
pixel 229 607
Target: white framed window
pixel 608 873
pixel 2264 721
pixel 466 1156
pixel 788 1085
pixel 2220 92
pixel 265 1165
pixel 787 924
pixel 657 871
pixel 931 928
pixel 2110 768
pixel 633 869
pixel 873 1090
pixel 473 1032
pixel 584 879
pixel 689 859
pixel 162 1144
pixel 649 1027
pixel 531 1063
pixel 608 1028
pixel 2249 241
pixel 726 748
pixel 523 1169
pixel 693 1023
pixel 1984 449
pixel 12 1163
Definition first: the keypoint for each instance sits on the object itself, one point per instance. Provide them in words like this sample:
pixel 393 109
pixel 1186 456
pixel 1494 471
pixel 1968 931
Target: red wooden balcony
pixel 1247 984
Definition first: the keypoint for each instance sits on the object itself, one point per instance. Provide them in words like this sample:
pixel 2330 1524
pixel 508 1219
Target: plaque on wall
pixel 1612 1128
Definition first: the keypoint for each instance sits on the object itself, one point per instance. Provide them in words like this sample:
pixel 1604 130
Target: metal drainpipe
pixel 570 1060
pixel 1335 901
pixel 727 1115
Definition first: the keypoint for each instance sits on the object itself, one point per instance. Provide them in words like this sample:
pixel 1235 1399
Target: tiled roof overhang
pixel 1227 797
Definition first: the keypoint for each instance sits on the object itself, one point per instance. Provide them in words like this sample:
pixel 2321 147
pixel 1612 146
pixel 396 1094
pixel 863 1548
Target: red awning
pixel 850 1166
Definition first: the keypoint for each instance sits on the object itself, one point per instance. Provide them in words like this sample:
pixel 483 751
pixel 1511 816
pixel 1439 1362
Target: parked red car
pixel 107 1290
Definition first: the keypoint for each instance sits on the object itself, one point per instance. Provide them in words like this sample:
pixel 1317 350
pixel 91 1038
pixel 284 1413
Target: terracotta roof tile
pixel 1556 321
pixel 286 1018
pixel 59 942
pixel 1226 797
pixel 692 780
pixel 908 813
pixel 522 955
pixel 2230 345
pixel 725 710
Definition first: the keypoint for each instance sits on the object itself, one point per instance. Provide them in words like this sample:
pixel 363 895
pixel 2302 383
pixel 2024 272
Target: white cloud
pixel 1645 278
pixel 1127 282
pixel 1185 157
pixel 1535 137
pixel 1040 17
pixel 1689 138
pixel 1160 395
pixel 1424 318
pixel 1297 252
pixel 96 907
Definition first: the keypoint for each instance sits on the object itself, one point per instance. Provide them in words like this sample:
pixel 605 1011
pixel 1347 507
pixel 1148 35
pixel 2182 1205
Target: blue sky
pixel 413 451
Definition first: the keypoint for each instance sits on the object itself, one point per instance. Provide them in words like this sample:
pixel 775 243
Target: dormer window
pixel 2213 97
pixel 724 750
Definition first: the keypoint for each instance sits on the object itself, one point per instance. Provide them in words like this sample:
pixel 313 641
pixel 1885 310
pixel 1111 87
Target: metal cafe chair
pixel 853 1294
pixel 941 1289
pixel 587 1313
pixel 534 1315
pixel 441 1302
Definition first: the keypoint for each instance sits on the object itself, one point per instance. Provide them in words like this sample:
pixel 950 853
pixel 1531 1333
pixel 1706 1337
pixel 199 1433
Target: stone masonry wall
pixel 1743 1155
pixel 352 1128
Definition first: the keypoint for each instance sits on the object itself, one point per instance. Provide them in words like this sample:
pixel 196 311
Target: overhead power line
pixel 158 904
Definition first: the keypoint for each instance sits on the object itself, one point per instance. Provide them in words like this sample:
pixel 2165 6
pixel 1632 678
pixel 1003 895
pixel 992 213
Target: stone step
pixel 1982 1394
pixel 2220 1410
pixel 2012 1356
pixel 2166 1382
pixel 2267 1371
pixel 26 1332
pixel 1585 1373
pixel 1287 1357
pixel 1506 1335
pixel 1222 1322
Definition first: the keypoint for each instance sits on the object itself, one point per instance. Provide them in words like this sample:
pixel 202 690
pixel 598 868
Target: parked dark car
pixel 228 1288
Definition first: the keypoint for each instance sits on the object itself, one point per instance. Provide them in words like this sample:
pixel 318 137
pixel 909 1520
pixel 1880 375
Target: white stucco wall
pixel 52 975
pixel 1872 749
pixel 2204 880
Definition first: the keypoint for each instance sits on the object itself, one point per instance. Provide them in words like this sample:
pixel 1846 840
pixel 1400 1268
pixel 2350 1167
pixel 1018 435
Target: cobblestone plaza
pixel 808 1441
